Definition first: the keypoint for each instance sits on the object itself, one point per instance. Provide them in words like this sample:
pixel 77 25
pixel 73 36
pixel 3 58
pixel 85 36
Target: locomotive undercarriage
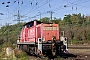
pixel 48 48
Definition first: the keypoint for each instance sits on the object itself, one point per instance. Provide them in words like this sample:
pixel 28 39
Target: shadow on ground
pixel 67 55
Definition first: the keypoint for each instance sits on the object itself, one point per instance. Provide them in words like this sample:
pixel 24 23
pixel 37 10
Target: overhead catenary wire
pixel 76 1
pixel 20 9
pixel 30 2
pixel 37 8
pixel 72 4
pixel 41 6
pixel 8 6
pixel 69 5
pixel 7 11
pixel 18 1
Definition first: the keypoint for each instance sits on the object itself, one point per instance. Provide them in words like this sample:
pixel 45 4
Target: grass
pixel 17 55
pixel 79 42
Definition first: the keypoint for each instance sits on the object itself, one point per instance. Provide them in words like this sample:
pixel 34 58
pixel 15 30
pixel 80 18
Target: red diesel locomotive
pixel 42 37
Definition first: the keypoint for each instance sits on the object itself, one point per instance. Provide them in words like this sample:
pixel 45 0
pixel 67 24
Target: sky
pixel 33 9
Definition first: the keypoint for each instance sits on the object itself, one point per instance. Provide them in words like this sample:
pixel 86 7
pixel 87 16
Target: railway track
pixel 78 46
pixel 76 52
pixel 82 51
pixel 79 57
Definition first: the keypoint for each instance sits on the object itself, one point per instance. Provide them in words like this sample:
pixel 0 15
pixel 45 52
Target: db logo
pixel 31 31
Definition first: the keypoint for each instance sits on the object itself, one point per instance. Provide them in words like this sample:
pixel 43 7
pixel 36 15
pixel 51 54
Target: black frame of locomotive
pixel 52 48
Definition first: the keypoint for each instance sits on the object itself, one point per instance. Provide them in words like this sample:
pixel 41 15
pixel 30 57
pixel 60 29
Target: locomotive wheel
pixel 63 48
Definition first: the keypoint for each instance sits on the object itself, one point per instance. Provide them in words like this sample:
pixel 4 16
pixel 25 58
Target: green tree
pixel 57 21
pixel 45 20
pixel 10 33
pixel 67 19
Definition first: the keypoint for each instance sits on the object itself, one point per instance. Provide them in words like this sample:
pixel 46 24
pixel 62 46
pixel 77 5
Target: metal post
pixel 40 14
pixel 51 12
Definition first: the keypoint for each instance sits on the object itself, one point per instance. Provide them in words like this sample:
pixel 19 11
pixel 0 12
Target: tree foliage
pixel 10 33
pixel 76 27
pixel 46 20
